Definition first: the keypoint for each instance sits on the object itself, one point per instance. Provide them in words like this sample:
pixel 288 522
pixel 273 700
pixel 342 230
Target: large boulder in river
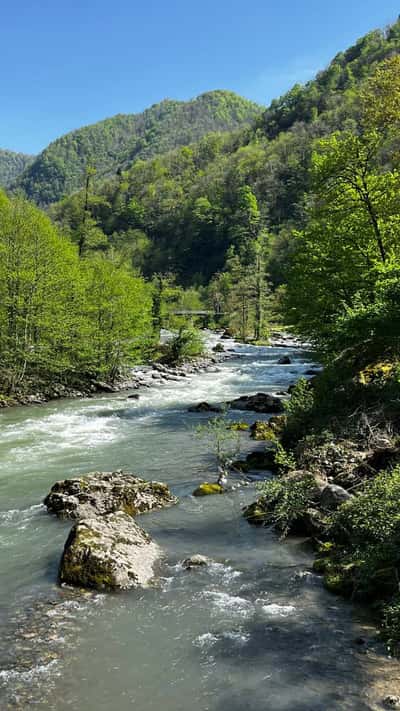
pixel 260 402
pixel 108 553
pixel 100 493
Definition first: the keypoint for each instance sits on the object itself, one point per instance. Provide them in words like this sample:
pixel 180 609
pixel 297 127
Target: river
pixel 254 631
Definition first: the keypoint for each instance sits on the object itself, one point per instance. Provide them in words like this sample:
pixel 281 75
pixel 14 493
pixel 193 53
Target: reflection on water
pixel 255 630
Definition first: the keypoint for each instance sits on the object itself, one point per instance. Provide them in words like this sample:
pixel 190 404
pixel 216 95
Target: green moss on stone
pixel 208 489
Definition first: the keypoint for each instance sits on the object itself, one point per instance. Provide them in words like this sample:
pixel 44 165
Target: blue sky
pixel 67 64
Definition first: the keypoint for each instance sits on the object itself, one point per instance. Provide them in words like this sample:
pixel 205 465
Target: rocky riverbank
pixel 40 391
pixel 135 379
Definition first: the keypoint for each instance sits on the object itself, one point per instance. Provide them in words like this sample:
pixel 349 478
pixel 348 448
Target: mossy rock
pixel 108 553
pixel 339 582
pixel 208 489
pixel 380 371
pixel 326 548
pixel 256 514
pixel 218 348
pixel 100 493
pixel 239 426
pixel 262 430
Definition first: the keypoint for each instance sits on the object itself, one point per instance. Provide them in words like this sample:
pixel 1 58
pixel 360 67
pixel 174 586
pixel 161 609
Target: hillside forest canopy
pixel 287 215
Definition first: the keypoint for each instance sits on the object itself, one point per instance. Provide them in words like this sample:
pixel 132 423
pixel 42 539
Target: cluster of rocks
pixel 159 372
pixel 281 339
pixel 106 549
pixel 260 402
pixel 336 468
pixel 48 391
pixel 347 462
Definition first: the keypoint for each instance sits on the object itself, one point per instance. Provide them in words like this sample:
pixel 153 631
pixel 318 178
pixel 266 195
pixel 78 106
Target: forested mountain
pixel 12 165
pixel 115 143
pixel 182 211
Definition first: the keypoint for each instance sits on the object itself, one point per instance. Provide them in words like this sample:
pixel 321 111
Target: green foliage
pixel 366 534
pixel 299 410
pixel 391 625
pixel 115 143
pixel 118 309
pixel 200 206
pixel 61 317
pixel 286 500
pixel 373 515
pixel 187 344
pixel 12 165
pixel 284 460
pixel 224 439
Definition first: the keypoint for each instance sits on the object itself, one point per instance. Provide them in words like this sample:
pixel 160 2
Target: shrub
pixel 286 500
pixel 373 516
pixel 298 410
pixel 284 460
pixel 187 344
pixel 366 530
pixel 391 625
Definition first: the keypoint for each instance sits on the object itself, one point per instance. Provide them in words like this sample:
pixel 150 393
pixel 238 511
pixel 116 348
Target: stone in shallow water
pixel 208 489
pixel 108 553
pixel 260 402
pixel 100 493
pixel 196 561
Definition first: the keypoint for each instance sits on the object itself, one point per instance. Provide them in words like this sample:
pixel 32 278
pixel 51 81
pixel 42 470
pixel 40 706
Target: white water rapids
pixel 255 631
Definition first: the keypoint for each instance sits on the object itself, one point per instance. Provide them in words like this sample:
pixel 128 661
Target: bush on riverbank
pixel 356 447
pixel 187 344
pixel 283 503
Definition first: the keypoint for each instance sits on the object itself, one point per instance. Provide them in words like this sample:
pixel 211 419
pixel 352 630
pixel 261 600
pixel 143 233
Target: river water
pixel 255 630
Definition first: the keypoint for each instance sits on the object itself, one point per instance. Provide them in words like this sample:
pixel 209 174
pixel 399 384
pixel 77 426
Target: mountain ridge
pixel 116 142
pixel 12 164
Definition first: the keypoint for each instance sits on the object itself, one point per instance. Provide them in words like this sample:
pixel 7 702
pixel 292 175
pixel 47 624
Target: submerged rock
pixel 108 553
pixel 284 360
pixel 205 407
pixel 100 493
pixel 257 514
pixel 260 402
pixel 208 489
pixel 196 561
pixel 391 702
pixel 262 459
